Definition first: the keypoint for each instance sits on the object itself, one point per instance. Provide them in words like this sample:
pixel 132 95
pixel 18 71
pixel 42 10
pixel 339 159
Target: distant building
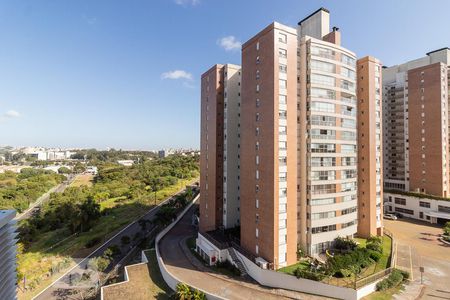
pixel 126 163
pixel 92 170
pixel 165 152
pixel 415 125
pixel 8 276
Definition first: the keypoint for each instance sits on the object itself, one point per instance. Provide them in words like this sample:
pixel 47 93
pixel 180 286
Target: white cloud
pixel 176 74
pixel 187 2
pixel 229 43
pixel 10 114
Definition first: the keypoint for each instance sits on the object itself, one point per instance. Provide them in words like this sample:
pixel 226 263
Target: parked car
pixel 390 217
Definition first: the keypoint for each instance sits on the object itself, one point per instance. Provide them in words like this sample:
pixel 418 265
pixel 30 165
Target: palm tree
pixel 198 295
pixel 183 292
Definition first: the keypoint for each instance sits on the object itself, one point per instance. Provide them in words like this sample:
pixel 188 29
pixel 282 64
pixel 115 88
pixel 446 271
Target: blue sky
pixel 100 73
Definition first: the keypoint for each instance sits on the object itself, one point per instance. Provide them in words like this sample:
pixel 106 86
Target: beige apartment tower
pixel 416 124
pixel 370 185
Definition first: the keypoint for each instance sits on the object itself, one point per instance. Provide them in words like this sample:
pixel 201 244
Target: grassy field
pixel 158 286
pixel 56 248
pixel 384 295
pixel 82 179
pixel 303 265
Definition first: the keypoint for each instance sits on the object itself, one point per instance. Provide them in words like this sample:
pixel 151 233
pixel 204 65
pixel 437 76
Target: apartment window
pixel 348 174
pixel 323 134
pixel 348 73
pixel 324 201
pixel 400 201
pixel 323 175
pixel 282 99
pixel 348 123
pixel 282 53
pixel 257 60
pixel 257 117
pixel 282 145
pixel 320 229
pixel 282 38
pixel 348 135
pixel 282 160
pixel 257 159
pixel 323 161
pixel 282 129
pixel 322 52
pixel 282 224
pixel 282 84
pixel 282 68
pixel 322 93
pixel 445 209
pixel 348 210
pixel 323 120
pixel 257 250
pixel 282 176
pixel 404 210
pixel 282 208
pixel 323 80
pixel 322 106
pixel 257 146
pixel 348 60
pixel 424 204
pixel 323 215
pixel 322 66
pixel 257 174
pixel 348 148
pixel 257 203
pixel 258 102
pixel 257 88
pixel 257 45
pixel 322 148
pixel 282 114
pixel 257 74
pixel 257 131
pixel 323 189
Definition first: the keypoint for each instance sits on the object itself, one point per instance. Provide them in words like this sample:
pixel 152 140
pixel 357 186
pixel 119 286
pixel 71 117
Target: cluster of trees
pixel 351 259
pixel 17 191
pixel 78 208
pixel 95 156
pixel 343 265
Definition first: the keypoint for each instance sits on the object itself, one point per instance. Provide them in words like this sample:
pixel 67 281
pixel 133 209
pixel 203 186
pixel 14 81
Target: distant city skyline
pixel 98 74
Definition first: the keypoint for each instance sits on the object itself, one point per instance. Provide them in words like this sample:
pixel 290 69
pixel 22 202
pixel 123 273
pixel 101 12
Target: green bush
pixel 394 279
pixel 344 244
pixel 375 243
pixel 375 255
pixel 299 273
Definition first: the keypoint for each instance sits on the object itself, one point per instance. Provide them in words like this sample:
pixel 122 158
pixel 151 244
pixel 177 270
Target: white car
pixel 390 217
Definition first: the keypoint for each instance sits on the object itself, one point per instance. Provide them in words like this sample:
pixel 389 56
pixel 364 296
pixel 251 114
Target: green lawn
pixel 159 287
pixel 304 265
pixel 384 295
pixel 37 262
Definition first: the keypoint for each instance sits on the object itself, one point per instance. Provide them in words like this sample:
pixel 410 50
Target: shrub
pixel 341 243
pixel 375 255
pixel 93 242
pixel 375 243
pixel 299 273
pixel 394 279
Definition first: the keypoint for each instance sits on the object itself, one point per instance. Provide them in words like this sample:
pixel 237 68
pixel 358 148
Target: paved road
pixel 418 245
pixel 178 264
pixel 67 285
pixel 35 207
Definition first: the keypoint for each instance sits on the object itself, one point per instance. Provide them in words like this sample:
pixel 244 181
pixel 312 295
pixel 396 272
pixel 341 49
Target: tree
pixel 198 295
pixel 183 292
pixel 64 170
pixel 79 168
pixel 88 211
pixel 447 229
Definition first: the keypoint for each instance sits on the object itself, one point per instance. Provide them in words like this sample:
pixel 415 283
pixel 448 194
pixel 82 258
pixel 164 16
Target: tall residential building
pixel 219 159
pixel 327 144
pixel 370 193
pixel 269 148
pixel 8 241
pixel 415 126
pixel 298 165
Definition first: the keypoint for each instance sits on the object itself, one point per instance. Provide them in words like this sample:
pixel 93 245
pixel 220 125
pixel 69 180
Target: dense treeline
pixel 17 191
pixel 78 208
pixel 113 155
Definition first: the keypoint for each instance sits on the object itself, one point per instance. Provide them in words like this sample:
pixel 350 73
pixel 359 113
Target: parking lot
pixel 417 245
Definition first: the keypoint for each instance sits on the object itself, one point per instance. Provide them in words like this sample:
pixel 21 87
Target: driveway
pixel 178 264
pixel 418 246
